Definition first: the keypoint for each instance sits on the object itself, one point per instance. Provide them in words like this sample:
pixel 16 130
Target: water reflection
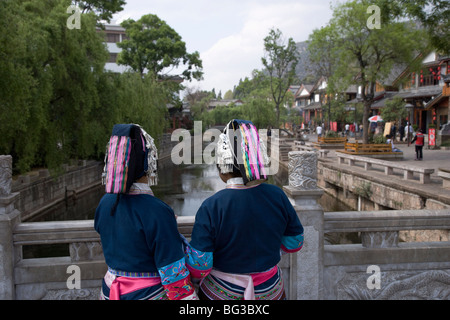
pixel 184 188
pixel 80 206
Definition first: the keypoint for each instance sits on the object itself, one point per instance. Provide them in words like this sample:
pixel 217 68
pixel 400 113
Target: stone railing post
pixel 9 217
pixel 302 191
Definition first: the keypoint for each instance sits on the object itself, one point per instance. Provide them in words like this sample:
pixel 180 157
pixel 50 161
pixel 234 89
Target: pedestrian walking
pixel 393 131
pixel 419 139
pixel 409 130
pixel 319 131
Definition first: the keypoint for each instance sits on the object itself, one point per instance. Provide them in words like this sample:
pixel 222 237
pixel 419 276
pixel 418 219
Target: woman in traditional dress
pixel 240 232
pixel 141 244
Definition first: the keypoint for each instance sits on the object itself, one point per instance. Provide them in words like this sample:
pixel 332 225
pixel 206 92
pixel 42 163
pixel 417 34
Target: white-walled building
pixel 113 35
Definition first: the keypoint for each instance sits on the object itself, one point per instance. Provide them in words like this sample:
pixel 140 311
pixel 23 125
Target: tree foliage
pixel 104 9
pixel 248 87
pixel 280 60
pixel 365 55
pixel 156 47
pixel 257 104
pixel 56 100
pixel 434 15
pixel 322 48
pixel 394 110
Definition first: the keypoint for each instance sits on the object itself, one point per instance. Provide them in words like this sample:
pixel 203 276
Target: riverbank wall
pixel 40 190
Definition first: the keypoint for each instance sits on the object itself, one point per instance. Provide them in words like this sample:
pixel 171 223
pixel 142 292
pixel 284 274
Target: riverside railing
pixel 56 277
pixel 383 266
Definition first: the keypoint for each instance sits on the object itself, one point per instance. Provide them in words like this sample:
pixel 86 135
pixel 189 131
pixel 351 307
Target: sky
pixel 229 35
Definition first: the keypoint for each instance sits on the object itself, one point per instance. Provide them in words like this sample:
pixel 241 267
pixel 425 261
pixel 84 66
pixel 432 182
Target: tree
pixel 104 9
pixel 434 16
pixel 75 60
pixel 56 100
pixel 394 110
pixel 247 87
pixel 228 95
pixel 16 86
pixel 48 90
pixel 322 49
pixel 259 109
pixel 367 54
pixel 280 61
pixel 153 46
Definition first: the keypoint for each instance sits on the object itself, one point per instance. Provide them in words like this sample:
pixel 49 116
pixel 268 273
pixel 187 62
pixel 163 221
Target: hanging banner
pixel 431 137
pixel 333 126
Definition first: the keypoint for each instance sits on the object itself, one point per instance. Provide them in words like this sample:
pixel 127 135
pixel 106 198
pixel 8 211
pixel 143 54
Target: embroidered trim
pixel 199 263
pixel 292 243
pixel 180 289
pixel 217 289
pixel 198 259
pixel 127 274
pixel 173 272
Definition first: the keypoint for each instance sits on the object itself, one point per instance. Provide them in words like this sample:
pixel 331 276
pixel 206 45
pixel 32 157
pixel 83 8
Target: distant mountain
pixel 304 70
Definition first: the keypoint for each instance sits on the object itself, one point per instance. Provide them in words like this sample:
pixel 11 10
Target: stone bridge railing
pixel 380 267
pixel 388 167
pixel 405 270
pixel 54 278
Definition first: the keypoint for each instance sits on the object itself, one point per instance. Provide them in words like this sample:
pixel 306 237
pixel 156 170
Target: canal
pixel 182 187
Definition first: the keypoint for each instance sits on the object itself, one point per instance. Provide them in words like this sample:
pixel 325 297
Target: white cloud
pixel 230 34
pixel 237 55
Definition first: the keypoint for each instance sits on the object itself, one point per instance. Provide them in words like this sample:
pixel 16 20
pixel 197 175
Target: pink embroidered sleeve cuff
pixel 176 280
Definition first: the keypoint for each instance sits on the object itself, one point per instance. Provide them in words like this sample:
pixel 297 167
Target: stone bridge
pixel 379 267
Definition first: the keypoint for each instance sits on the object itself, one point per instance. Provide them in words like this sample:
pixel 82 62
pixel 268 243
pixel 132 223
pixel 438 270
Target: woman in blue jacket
pixel 240 232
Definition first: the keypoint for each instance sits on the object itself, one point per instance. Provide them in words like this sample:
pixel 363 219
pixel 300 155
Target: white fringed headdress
pixel 240 147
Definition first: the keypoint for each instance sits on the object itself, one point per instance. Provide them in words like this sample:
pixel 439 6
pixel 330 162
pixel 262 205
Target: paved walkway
pixel 432 158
